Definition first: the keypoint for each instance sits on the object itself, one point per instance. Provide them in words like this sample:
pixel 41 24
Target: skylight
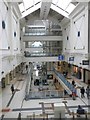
pixel 70 8
pixel 21 6
pixel 65 5
pixel 27 4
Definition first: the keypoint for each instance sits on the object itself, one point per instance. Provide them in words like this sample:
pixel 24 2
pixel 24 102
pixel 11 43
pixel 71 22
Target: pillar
pixel 59 110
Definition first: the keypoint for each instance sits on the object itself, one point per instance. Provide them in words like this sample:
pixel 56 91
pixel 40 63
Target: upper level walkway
pixel 41 59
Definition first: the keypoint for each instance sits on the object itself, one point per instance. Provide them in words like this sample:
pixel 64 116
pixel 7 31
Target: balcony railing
pixel 45 94
pixel 40 54
pixel 42 33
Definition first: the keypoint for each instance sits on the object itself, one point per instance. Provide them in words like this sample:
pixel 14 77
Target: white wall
pixel 76 46
pixel 9 58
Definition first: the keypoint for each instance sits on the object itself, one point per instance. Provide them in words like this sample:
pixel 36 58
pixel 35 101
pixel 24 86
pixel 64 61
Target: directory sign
pixel 61 57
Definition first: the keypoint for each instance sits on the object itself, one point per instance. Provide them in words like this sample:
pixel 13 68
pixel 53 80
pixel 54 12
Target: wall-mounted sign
pixel 85 62
pixel 71 58
pixel 61 57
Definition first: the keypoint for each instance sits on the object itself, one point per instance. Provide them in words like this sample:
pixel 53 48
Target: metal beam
pixel 45 8
pixel 31 10
pixel 60 11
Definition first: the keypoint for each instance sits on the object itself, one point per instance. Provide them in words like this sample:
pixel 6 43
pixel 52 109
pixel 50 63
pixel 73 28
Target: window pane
pixel 70 8
pixel 36 1
pixel 63 3
pixel 54 1
pixel 28 3
pixel 21 7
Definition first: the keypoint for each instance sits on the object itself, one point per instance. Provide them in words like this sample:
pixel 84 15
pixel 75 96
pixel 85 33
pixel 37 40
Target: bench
pixel 78 115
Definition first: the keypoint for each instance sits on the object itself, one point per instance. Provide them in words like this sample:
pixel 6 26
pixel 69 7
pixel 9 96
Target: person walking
pixel 88 91
pixel 73 82
pixel 12 88
pixel 82 92
pixel 74 93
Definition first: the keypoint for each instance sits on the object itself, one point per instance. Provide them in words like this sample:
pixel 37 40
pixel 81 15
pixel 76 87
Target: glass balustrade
pixel 62 78
pixel 39 54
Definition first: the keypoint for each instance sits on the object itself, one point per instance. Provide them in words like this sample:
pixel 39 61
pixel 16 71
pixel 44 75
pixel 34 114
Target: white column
pixel 59 110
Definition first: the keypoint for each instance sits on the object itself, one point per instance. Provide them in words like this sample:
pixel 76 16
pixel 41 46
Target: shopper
pixel 80 110
pixel 73 82
pixel 12 88
pixel 74 93
pixel 82 92
pixel 88 92
pixel 27 68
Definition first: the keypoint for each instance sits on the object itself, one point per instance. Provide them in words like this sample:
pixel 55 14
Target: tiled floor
pixel 19 102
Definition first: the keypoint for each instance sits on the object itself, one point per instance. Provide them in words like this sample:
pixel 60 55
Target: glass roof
pixel 65 5
pixel 28 4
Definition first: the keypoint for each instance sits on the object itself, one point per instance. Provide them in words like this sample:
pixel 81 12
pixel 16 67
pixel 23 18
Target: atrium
pixel 44 59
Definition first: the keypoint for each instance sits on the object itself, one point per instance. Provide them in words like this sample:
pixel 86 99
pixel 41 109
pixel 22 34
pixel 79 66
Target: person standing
pixel 74 93
pixel 82 92
pixel 27 68
pixel 12 88
pixel 73 82
pixel 88 91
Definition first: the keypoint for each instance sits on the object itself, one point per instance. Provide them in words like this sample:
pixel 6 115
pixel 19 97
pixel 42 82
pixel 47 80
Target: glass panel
pixel 36 1
pixel 70 8
pixel 21 7
pixel 54 1
pixel 63 3
pixel 28 3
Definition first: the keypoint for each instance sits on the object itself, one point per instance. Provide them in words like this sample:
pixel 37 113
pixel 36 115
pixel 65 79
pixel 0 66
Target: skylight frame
pixel 64 5
pixel 27 4
pixel 70 8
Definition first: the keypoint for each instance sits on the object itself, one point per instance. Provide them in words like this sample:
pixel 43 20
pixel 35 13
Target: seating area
pixel 78 115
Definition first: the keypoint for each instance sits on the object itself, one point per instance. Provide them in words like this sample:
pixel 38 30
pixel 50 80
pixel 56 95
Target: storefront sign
pixel 85 62
pixel 71 58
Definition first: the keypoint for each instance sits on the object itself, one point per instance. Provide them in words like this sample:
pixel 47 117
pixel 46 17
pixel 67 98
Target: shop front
pixel 86 76
pixel 77 72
